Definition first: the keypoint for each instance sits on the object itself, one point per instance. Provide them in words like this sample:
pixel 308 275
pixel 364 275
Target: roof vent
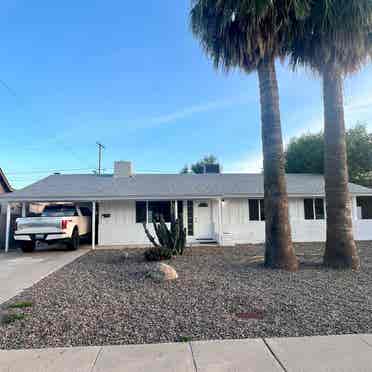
pixel 123 169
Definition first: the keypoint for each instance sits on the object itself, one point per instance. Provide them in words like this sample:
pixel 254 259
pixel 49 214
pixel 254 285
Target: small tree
pixel 199 166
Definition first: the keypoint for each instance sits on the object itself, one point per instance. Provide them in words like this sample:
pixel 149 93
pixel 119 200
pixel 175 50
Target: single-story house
pixel 226 209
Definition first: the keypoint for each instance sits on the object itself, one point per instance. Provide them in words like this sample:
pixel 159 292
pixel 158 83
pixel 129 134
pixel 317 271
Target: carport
pixel 24 201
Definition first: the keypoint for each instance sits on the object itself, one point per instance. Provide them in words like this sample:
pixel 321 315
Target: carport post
pixel 220 224
pixel 93 225
pixel 7 228
pixel 23 209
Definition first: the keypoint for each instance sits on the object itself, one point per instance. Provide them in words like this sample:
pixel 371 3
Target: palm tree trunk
pixel 279 251
pixel 340 249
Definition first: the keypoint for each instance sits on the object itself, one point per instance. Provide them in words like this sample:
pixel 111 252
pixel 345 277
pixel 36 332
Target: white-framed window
pixel 150 211
pixel 314 209
pixel 364 207
pixel 256 209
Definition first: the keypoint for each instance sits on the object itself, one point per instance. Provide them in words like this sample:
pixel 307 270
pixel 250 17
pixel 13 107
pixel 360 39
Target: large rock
pixel 161 272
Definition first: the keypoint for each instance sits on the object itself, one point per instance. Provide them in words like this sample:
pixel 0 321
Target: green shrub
pixel 185 339
pixel 20 305
pixel 11 318
pixel 158 254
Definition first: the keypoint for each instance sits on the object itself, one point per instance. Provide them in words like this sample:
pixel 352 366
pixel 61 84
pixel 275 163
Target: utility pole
pixel 100 147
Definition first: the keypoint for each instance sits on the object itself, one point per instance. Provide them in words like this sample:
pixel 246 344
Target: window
pixel 319 209
pixel 190 218
pixel 314 209
pixel 262 210
pixel 309 209
pixel 157 209
pixel 256 209
pixel 180 210
pixel 140 212
pixel 148 212
pixel 59 211
pixel 364 205
pixel 85 211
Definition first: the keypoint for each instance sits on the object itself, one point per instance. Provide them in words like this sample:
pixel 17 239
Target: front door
pixel 203 219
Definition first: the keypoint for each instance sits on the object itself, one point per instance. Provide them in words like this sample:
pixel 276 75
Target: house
pixel 223 208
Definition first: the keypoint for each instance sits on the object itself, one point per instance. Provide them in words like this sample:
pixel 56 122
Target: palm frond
pixel 239 34
pixel 336 32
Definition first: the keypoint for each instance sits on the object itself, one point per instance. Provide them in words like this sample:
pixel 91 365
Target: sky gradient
pixel 132 76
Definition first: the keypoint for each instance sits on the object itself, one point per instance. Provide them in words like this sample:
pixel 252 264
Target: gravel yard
pixel 104 298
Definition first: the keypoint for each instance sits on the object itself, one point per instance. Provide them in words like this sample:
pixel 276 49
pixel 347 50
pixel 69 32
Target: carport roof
pixel 85 187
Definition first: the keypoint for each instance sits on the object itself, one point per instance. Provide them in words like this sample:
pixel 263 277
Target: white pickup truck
pixel 65 223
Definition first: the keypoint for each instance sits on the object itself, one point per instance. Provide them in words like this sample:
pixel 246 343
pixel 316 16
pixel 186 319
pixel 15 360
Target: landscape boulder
pixel 161 272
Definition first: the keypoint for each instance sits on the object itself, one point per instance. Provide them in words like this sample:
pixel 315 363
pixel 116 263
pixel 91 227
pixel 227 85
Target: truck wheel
pixel 75 240
pixel 27 247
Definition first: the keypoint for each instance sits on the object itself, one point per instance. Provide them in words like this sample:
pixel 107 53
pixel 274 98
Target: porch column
pixel 94 225
pixel 175 210
pixel 7 228
pixel 23 210
pixel 220 228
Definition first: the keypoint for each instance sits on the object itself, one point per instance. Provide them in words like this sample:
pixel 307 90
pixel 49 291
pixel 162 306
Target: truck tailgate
pixel 38 224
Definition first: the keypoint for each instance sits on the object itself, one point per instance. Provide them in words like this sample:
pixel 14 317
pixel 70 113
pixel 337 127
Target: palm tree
pixel 248 34
pixel 335 40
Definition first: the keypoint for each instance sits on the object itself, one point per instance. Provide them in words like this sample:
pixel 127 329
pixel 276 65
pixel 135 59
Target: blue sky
pixel 132 76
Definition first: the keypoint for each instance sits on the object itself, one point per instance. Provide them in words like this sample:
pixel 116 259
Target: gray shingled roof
pixel 87 187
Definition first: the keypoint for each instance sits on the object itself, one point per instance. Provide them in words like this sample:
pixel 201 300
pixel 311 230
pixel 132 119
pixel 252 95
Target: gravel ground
pixel 105 298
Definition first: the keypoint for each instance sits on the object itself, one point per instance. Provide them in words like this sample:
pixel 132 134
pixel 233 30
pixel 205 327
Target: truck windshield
pixel 59 211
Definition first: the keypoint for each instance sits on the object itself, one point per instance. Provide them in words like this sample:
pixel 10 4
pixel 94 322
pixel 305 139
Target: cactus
pixel 172 239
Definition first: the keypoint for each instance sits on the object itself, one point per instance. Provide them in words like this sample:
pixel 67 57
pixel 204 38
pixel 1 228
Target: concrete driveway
pixel 22 270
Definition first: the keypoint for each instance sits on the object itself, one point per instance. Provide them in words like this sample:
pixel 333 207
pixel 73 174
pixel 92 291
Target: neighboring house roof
pixel 6 187
pixel 165 186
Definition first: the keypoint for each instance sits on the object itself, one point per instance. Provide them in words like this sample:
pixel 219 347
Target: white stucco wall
pixel 121 228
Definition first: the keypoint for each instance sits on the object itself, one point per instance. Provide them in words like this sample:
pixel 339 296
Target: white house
pixel 223 208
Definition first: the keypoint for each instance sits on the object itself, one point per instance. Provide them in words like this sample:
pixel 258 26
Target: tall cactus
pixel 173 239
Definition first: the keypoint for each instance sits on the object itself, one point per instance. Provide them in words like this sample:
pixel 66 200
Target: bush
pixel 11 318
pixel 158 254
pixel 20 305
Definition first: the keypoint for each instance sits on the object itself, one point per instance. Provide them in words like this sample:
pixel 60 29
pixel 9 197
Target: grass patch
pixel 11 318
pixel 185 339
pixel 20 305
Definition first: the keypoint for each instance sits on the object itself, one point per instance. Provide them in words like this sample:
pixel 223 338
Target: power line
pixel 13 92
pixel 10 90
pixel 41 171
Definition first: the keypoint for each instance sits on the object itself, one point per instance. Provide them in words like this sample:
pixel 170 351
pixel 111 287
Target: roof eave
pixel 13 198
pixel 6 181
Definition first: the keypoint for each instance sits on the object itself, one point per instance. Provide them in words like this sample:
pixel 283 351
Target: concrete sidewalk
pixel 305 354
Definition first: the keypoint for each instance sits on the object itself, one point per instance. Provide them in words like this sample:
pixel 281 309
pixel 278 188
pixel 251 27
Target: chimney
pixel 122 169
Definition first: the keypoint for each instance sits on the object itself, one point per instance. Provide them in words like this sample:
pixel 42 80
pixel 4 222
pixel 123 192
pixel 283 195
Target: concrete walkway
pixel 305 354
pixel 22 270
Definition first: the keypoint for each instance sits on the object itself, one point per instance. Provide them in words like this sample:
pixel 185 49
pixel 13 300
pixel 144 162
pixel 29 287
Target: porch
pixel 121 221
